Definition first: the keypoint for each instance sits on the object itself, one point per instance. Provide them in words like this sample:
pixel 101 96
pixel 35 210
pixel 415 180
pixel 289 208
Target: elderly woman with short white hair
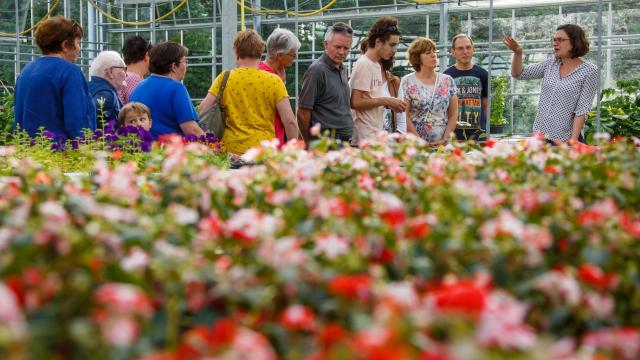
pixel 108 73
pixel 282 50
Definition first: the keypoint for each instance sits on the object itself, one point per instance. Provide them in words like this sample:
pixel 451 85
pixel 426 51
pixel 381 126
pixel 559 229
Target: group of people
pixel 52 93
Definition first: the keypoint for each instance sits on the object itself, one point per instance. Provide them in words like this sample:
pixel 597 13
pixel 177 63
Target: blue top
pixel 53 93
pixel 100 88
pixel 472 87
pixel 169 103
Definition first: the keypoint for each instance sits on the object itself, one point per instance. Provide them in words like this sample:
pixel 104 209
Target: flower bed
pixel 518 251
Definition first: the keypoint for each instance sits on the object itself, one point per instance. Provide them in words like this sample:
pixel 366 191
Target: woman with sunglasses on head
pixel 51 91
pixel 108 73
pixel 164 94
pixel 433 103
pixel 569 83
pixel 282 50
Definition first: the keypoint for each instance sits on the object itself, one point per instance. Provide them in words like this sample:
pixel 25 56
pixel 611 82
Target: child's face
pixel 137 119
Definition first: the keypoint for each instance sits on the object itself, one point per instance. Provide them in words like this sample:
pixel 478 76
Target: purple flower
pixel 145 146
pixel 111 138
pixel 210 137
pixel 97 134
pixel 191 137
pixel 32 143
pixel 74 144
pixel 56 146
pixel 48 134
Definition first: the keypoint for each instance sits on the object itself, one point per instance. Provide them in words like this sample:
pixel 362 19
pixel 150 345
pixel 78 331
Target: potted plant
pixel 498 100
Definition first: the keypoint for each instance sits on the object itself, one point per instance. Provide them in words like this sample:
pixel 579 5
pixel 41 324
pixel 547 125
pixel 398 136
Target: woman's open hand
pixel 512 44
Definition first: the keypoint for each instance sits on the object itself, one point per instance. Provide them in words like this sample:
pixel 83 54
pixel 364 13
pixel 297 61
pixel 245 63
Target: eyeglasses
pixel 124 68
pixel 558 40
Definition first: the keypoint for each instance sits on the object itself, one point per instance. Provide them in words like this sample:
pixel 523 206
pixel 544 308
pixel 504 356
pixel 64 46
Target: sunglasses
pixel 342 29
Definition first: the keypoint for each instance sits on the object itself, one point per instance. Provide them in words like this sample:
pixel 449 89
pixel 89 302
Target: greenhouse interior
pixel 320 179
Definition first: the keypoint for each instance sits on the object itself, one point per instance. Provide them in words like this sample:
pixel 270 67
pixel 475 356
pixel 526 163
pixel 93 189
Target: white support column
pixel 608 81
pixel 229 30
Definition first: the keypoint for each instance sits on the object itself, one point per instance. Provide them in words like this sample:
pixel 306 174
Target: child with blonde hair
pixel 135 114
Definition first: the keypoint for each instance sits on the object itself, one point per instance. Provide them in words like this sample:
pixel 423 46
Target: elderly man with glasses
pixel 108 73
pixel 325 95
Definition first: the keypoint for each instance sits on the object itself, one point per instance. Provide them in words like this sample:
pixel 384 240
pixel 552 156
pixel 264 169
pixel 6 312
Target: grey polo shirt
pixel 325 91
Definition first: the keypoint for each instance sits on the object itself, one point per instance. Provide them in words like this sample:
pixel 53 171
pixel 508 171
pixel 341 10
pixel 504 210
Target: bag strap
pixel 225 77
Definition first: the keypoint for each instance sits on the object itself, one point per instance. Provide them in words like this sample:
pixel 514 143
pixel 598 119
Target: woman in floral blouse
pixel 433 103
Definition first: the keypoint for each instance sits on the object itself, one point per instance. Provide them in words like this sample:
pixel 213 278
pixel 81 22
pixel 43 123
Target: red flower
pixel 629 225
pixel 393 217
pixel 594 276
pixel 298 317
pixel 598 213
pixel 331 334
pixel 418 227
pixel 461 296
pixel 223 332
pixel 351 286
pixel 489 143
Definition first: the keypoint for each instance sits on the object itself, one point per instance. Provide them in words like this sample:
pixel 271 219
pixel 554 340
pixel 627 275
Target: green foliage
pixel 6 110
pixel 619 111
pixel 498 99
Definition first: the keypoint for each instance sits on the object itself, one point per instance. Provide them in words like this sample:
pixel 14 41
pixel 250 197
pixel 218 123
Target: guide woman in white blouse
pixel 569 83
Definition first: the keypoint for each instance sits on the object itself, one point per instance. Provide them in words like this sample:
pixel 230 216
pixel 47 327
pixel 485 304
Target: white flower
pixel 331 245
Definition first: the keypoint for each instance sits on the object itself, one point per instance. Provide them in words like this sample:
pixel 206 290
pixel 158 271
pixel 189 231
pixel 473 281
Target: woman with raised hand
pixel 251 98
pixel 433 103
pixel 282 50
pixel 51 91
pixel 569 83
pixel 164 94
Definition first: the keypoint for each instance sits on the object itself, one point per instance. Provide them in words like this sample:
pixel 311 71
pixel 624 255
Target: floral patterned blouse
pixel 428 111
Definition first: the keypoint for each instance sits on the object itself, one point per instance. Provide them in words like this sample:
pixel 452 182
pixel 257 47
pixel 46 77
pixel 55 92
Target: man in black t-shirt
pixel 472 82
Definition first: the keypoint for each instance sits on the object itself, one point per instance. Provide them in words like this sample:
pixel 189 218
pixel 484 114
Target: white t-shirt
pixel 367 76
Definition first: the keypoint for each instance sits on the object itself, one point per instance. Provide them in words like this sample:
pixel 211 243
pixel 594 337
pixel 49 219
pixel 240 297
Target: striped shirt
pixel 561 99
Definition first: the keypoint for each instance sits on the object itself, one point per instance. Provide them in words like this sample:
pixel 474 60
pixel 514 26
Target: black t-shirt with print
pixel 472 88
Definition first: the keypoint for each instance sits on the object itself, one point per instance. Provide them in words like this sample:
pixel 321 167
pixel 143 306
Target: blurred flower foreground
pixel 392 251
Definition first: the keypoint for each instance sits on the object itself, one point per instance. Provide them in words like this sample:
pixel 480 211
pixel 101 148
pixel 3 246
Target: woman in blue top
pixel 51 92
pixel 108 73
pixel 164 94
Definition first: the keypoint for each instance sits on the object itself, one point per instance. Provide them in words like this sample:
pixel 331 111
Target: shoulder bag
pixel 213 120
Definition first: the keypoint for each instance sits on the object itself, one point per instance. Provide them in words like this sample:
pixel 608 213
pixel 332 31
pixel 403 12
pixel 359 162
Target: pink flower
pixel 598 213
pixel 365 181
pixel 559 286
pixel 622 343
pixel 599 305
pixel 123 299
pixel 11 317
pixel 120 331
pixel 285 251
pixel 331 245
pixel 502 324
pixel 298 317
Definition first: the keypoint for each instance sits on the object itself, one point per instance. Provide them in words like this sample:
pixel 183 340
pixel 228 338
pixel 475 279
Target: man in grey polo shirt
pixel 325 95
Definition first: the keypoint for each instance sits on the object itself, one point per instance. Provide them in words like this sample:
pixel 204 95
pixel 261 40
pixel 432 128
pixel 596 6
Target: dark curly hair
pixel 165 54
pixel 578 39
pixel 135 48
pixel 382 29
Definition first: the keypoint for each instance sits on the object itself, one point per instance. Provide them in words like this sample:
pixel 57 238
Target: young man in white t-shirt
pixel 367 84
